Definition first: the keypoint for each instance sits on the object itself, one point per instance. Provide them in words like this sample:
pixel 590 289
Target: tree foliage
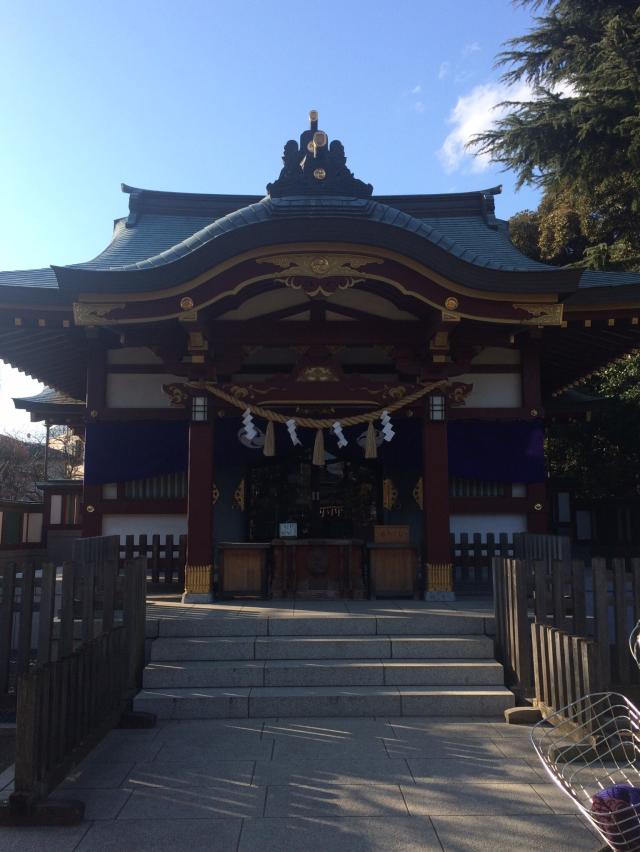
pixel 582 123
pixel 578 138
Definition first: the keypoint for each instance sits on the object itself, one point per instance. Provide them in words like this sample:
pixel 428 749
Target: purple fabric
pixel 120 451
pixel 616 811
pixel 497 450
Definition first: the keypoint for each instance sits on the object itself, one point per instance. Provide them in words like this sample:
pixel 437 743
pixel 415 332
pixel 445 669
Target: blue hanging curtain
pixel 497 450
pixel 117 452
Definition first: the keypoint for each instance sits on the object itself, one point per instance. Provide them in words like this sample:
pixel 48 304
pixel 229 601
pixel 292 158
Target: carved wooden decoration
pixel 417 493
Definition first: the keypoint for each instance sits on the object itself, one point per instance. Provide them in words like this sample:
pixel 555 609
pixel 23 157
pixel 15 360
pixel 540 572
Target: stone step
pixel 431 624
pixel 324 648
pixel 255 702
pixel 342 672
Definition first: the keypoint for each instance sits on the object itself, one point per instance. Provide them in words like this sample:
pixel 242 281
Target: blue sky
pixel 201 96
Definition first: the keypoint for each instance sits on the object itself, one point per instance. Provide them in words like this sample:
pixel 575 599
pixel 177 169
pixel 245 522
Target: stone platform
pixel 257 659
pixel 311 785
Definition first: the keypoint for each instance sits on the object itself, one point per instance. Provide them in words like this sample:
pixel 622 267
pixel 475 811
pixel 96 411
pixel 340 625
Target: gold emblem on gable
pixel 541 314
pixel 85 313
pixel 320 275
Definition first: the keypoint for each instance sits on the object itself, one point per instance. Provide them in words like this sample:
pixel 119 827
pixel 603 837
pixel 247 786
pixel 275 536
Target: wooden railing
pixel 600 602
pixel 74 667
pixel 165 560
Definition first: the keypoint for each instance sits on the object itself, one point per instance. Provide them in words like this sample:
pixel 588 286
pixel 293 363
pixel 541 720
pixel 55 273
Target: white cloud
pixel 444 70
pixel 418 106
pixel 416 89
pixel 472 114
pixel 13 383
pixel 472 47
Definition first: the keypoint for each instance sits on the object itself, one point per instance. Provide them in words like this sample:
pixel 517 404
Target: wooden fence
pixel 600 601
pixel 64 708
pixel 473 560
pixel 74 666
pixel 165 561
pixel 47 611
pixel 565 667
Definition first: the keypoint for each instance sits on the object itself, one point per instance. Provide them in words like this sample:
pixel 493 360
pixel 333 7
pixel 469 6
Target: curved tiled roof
pixel 156 240
pixel 164 227
pixel 29 278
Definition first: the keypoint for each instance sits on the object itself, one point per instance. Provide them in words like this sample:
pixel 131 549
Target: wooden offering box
pixel 393 564
pixel 243 569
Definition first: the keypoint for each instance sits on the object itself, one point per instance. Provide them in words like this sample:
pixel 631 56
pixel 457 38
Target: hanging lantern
pixel 337 431
pixel 293 434
pixel 387 428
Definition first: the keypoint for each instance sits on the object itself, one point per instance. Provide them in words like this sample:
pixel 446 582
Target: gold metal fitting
pixel 186 303
pixel 537 507
pixel 320 139
pixel 319 174
pixel 90 508
pixel 451 303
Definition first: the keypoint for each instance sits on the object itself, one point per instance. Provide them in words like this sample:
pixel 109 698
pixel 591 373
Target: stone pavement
pixel 287 785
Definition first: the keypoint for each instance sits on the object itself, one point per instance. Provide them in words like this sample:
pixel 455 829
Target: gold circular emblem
pixel 186 303
pixel 320 139
pixel 90 509
pixel 319 174
pixel 534 412
pixel 451 303
pixel 538 507
pixel 319 265
pixel 310 147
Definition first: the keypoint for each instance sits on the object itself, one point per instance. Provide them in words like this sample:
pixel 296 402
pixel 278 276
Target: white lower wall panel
pixel 484 524
pixel 123 525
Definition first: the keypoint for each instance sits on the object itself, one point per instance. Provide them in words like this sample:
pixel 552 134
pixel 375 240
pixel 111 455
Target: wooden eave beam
pixel 303 333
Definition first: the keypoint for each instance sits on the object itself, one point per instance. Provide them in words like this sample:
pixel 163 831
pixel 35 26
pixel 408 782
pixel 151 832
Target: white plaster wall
pixel 492 390
pixel 138 390
pixel 484 524
pixel 55 515
pixel 497 355
pixel 32 527
pixel 133 355
pixel 163 525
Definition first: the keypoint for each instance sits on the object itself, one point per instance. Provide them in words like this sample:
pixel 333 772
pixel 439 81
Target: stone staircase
pixel 231 666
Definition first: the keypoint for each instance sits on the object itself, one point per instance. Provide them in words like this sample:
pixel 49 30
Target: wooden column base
pixel 198 584
pixel 439 581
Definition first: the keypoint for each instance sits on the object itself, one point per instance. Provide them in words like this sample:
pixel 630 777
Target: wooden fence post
pixel 7 577
pixel 601 615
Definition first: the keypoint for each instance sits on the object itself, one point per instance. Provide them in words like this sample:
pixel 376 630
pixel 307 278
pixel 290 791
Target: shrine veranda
pixel 319 387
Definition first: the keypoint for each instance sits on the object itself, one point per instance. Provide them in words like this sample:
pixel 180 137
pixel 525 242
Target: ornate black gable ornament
pixel 315 167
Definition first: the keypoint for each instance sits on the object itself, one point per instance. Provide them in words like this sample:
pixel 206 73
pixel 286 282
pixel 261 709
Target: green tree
pixel 578 138
pixel 582 123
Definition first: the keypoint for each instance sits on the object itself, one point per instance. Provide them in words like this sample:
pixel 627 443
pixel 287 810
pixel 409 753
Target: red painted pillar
pixel 95 403
pixel 537 504
pixel 198 585
pixel 435 507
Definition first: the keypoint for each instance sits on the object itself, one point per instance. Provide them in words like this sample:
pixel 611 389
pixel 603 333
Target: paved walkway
pixel 358 785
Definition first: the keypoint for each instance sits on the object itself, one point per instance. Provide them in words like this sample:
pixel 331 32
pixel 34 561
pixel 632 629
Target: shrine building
pixel 330 392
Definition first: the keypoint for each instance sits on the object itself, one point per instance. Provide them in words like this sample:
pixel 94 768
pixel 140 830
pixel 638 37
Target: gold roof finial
pixel 313 118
